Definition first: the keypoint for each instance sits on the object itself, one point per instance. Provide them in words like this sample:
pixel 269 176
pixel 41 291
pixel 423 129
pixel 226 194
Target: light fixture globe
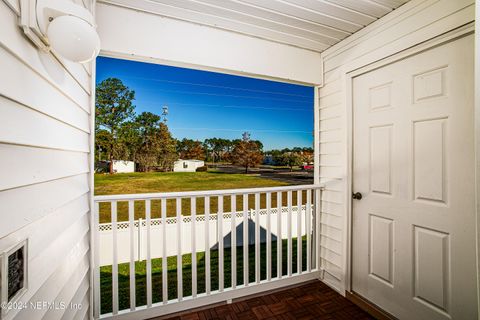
pixel 68 29
pixel 73 38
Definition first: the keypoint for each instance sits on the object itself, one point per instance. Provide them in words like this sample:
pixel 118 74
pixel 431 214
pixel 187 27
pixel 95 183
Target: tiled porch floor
pixel 313 300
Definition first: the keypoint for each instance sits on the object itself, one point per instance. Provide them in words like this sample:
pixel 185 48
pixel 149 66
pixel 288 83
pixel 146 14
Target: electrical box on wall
pixel 13 275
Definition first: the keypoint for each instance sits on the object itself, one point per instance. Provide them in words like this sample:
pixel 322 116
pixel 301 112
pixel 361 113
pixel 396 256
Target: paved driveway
pixel 280 174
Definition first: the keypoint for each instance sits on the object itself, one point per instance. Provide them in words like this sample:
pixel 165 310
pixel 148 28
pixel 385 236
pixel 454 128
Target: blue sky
pixel 208 104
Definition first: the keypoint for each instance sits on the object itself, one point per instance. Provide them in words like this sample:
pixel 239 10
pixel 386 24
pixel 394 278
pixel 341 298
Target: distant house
pixel 268 160
pixel 187 165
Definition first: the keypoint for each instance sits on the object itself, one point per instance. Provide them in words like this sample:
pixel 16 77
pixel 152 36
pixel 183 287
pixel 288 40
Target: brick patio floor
pixel 313 300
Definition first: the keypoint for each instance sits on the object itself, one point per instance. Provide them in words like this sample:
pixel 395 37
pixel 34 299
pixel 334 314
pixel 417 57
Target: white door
pixel 413 248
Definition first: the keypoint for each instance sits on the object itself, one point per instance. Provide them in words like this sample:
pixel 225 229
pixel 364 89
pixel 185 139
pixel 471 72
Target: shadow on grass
pixel 140 274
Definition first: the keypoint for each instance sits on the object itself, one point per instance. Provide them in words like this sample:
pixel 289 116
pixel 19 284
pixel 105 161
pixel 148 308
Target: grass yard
pixel 140 182
pixel 128 183
pixel 140 274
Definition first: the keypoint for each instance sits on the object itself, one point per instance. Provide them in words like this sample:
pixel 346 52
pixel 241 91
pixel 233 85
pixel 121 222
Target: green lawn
pixel 140 274
pixel 127 183
pixel 140 182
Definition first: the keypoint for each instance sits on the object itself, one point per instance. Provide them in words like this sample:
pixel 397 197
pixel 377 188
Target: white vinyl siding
pixel 411 24
pixel 44 169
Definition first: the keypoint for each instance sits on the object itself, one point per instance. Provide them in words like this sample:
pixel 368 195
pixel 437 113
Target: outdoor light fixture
pixel 68 29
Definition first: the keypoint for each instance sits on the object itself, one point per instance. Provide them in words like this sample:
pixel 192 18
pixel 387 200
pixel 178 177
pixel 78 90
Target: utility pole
pixel 165 114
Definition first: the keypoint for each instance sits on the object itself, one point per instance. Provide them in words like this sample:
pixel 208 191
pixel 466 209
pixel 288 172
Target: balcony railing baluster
pixel 193 209
pixel 308 229
pixel 207 246
pixel 269 236
pixel 220 243
pixel 279 233
pixel 233 239
pixel 164 251
pixel 179 250
pixel 245 240
pixel 289 234
pixel 149 255
pixel 257 237
pixel 115 258
pixel 131 221
pixel 299 232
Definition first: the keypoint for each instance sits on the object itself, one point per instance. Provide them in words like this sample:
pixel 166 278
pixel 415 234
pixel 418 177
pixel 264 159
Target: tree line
pixel 212 149
pixel 289 157
pixel 145 139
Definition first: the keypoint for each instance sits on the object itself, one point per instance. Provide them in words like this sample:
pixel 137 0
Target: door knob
pixel 357 196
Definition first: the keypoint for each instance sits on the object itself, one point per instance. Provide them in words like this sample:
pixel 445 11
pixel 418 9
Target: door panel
pixel 429 158
pixel 431 264
pixel 380 159
pixel 381 248
pixel 413 248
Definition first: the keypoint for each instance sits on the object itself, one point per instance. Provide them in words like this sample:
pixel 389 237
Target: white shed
pixel 187 165
pixel 123 166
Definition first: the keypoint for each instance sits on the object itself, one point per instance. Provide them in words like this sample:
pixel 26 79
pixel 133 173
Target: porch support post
pixel 316 135
pixel 316 175
pixel 94 292
pixel 477 142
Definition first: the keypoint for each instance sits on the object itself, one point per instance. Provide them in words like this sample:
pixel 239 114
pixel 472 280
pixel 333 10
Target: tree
pixel 247 154
pixel 156 145
pixel 130 140
pixel 215 146
pixel 166 148
pixel 219 149
pixel 291 159
pixel 146 124
pixel 307 157
pixel 259 144
pixel 289 156
pixel 102 142
pixel 190 149
pixel 113 107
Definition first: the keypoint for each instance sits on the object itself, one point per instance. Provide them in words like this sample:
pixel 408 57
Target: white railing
pixel 139 237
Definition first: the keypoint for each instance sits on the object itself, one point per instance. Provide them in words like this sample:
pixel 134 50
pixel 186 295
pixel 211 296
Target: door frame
pixel 351 71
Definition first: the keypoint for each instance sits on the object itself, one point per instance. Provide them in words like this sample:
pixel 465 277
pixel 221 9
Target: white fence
pixel 171 229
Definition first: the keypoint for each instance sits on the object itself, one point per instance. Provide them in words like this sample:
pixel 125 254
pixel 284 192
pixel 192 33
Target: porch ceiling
pixel 310 24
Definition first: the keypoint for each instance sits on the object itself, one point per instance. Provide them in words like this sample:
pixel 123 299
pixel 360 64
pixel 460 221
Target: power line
pixel 216 86
pixel 241 130
pixel 225 95
pixel 179 104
